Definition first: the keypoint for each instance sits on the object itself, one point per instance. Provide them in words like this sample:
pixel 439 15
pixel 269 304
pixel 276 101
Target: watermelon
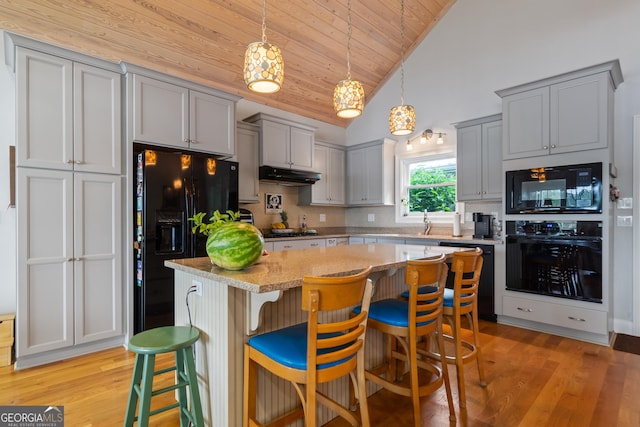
pixel 235 245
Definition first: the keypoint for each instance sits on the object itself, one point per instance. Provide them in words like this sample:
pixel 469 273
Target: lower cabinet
pixel 566 316
pixel 288 245
pixel 69 259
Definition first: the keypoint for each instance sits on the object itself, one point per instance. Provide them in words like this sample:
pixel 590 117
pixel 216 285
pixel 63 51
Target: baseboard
pixel 556 330
pixel 33 360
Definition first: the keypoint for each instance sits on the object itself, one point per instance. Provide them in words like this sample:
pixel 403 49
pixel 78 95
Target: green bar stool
pixel 177 339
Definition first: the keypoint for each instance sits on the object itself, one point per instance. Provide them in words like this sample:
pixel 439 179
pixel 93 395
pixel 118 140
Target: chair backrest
pixel 467 267
pixel 425 308
pixel 332 346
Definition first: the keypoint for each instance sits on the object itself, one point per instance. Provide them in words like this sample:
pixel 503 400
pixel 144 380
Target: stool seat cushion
pixel 391 311
pixel 288 346
pixel 164 339
pixel 428 289
pixel 448 298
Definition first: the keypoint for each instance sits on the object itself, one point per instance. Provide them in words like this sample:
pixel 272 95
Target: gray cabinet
pixel 68 114
pixel 479 159
pixel 283 143
pixel 165 112
pixel 370 173
pixel 247 146
pixel 566 113
pixel 329 161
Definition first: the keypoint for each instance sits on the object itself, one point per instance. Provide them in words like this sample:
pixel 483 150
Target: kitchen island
pixel 264 297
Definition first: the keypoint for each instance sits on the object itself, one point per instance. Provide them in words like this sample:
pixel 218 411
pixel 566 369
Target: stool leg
pixel 182 392
pixel 146 388
pixel 194 392
pixel 130 415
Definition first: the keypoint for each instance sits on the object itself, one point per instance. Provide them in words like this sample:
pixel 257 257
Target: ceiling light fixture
pixel 263 63
pixel 348 96
pixel 426 136
pixel 402 118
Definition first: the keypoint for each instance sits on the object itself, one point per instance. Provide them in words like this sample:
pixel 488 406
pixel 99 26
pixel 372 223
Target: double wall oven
pixel 549 249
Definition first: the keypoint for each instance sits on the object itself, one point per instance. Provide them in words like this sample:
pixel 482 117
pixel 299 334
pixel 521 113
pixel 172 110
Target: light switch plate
pixel 371 217
pixel 323 218
pixel 624 221
pixel 625 203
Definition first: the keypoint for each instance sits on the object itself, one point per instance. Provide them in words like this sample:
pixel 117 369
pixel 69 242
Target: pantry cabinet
pixel 567 113
pixel 479 159
pixel 170 112
pixel 370 173
pixel 330 161
pixel 68 114
pixel 69 259
pixel 283 143
pixel 247 146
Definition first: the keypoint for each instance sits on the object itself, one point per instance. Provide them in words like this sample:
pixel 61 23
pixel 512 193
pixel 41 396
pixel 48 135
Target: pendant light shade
pixel 402 118
pixel 263 63
pixel 348 96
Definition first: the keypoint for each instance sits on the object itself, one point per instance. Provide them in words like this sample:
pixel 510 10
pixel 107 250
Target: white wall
pixel 7 215
pixel 483 46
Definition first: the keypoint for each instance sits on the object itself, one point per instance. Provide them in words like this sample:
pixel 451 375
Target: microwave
pixel 557 189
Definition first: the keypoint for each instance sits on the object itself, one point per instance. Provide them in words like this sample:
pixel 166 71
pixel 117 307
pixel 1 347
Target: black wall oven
pixel 555 190
pixel 555 258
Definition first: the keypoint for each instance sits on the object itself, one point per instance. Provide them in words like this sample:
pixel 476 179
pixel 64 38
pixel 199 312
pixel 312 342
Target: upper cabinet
pixel 479 159
pixel 561 114
pixel 329 161
pixel 370 173
pixel 247 141
pixel 68 114
pixel 284 144
pixel 167 111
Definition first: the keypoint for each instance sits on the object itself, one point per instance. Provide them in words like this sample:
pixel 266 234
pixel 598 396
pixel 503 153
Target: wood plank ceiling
pixel 205 40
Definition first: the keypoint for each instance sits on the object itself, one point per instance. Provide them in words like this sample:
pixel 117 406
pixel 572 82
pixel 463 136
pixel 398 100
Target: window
pixel 427 182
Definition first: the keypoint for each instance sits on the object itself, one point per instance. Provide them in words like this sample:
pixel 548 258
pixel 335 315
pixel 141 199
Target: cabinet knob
pixel 553 146
pixel 186 140
pixel 546 147
pixel 484 192
pixel 69 161
pixel 193 141
pixel 78 162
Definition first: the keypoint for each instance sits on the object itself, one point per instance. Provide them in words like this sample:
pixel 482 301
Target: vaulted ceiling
pixel 205 40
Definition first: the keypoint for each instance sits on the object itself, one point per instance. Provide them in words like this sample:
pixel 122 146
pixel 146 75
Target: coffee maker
pixel 482 226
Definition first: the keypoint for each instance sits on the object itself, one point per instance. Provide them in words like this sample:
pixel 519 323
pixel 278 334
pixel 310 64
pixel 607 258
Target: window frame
pixel 403 162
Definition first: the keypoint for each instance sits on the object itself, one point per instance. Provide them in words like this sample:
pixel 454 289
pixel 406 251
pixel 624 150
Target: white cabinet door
pixel 330 190
pixel 97 257
pixel 320 190
pixel 370 173
pixel 579 114
pixel 492 160
pixel 160 112
pixel 44 110
pixel 469 165
pixel 526 124
pixel 44 319
pixel 356 177
pixel 247 146
pixel 211 123
pixel 335 176
pixel 97 112
pixel 274 150
pixel 301 148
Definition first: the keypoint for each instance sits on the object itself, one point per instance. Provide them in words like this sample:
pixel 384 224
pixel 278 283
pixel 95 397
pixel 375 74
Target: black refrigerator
pixel 170 187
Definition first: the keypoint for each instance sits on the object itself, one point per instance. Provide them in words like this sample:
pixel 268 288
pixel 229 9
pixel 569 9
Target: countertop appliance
pixel 555 258
pixel 558 189
pixel 246 216
pixel 482 226
pixel 170 187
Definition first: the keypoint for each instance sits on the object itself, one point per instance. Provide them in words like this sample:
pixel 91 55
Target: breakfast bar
pixel 231 305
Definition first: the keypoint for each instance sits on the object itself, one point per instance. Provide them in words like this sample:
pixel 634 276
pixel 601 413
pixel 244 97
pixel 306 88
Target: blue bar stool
pixel 177 339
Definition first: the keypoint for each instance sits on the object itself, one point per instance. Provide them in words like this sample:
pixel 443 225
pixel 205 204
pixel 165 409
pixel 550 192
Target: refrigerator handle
pixel 188 207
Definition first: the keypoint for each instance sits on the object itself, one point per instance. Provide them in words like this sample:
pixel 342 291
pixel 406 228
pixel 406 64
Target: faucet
pixel 427 223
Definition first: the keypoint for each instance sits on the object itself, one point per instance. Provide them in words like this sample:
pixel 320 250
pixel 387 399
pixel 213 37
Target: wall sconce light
pixel 426 136
pixel 440 140
pixel 409 146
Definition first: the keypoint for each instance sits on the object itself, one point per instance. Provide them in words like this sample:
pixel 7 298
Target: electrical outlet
pixel 625 203
pixel 323 218
pixel 371 217
pixel 624 221
pixel 197 286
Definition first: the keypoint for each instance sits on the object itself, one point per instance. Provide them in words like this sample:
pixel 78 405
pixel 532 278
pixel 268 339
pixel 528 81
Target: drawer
pixel 594 321
pixel 523 308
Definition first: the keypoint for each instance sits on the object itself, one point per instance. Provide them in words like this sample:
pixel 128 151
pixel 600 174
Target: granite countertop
pixel 413 236
pixel 284 270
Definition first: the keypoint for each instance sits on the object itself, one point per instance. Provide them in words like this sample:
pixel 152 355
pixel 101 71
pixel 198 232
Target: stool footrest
pixel 163 409
pixel 164 371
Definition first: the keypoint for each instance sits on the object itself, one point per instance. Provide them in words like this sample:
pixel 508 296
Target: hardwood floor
pixel 534 379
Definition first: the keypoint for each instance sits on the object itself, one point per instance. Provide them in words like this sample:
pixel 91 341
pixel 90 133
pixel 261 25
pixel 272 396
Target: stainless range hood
pixel 287 176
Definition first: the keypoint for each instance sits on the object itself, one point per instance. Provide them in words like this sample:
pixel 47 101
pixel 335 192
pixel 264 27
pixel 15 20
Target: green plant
pixel 215 221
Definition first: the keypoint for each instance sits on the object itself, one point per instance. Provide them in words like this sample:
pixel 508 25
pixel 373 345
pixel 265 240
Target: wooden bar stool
pixel 460 301
pixel 313 353
pixel 146 345
pixel 406 322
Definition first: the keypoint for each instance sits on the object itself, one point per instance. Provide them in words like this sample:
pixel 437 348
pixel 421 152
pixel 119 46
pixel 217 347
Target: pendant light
pixel 402 118
pixel 348 96
pixel 263 63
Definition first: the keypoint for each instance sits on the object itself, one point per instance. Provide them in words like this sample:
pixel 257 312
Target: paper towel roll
pixel 456 225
